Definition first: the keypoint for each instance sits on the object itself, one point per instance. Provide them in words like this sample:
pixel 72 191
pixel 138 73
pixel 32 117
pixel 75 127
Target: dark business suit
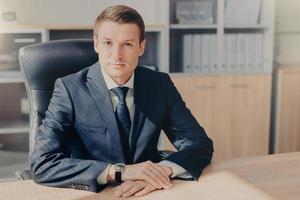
pixel 79 135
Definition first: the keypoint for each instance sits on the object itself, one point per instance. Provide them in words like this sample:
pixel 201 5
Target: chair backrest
pixel 42 64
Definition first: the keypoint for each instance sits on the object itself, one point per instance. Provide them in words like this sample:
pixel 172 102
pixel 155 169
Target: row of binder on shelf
pixel 199 52
pixel 242 52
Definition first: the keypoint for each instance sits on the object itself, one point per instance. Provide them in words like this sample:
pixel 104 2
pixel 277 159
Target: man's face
pixel 119 48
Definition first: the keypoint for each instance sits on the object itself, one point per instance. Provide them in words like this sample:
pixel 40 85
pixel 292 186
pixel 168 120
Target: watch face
pixel 120 167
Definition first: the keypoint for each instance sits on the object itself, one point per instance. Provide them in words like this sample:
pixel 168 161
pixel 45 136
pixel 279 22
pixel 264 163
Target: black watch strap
pixel 118 177
pixel 119 169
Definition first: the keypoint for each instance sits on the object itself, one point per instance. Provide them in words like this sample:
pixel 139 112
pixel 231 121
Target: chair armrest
pixel 23 175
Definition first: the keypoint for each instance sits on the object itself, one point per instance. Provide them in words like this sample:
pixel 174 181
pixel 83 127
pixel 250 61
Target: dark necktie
pixel 123 120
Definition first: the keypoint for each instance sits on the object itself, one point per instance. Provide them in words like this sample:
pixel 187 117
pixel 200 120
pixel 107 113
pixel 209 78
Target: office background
pixel 243 87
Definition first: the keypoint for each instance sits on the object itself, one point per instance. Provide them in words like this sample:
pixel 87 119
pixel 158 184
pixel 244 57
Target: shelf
pixel 193 26
pixel 14 127
pixel 215 26
pixel 259 26
pixel 11 77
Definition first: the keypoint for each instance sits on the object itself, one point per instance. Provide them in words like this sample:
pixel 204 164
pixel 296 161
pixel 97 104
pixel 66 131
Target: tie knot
pixel 120 92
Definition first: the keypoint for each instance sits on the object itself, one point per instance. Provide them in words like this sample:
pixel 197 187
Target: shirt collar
pixel 110 83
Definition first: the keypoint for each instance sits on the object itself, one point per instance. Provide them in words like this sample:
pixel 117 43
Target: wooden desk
pixel 278 175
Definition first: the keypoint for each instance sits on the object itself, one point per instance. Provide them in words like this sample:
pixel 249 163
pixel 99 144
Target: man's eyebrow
pixel 106 38
pixel 127 40
pixel 130 40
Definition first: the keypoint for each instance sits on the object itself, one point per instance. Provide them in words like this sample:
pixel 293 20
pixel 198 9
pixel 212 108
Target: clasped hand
pixel 143 178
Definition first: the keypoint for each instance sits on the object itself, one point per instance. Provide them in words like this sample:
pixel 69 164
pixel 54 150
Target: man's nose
pixel 117 52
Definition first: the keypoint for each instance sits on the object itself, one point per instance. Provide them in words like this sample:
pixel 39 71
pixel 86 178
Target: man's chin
pixel 119 77
pixel 117 73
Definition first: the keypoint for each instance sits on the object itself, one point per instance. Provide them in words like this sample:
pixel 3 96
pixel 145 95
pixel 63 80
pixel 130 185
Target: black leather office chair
pixel 41 65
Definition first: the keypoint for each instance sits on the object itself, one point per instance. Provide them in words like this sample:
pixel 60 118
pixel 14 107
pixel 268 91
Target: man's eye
pixel 107 42
pixel 128 44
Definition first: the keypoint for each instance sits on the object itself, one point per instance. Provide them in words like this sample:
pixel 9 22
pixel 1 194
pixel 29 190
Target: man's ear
pixel 142 47
pixel 96 44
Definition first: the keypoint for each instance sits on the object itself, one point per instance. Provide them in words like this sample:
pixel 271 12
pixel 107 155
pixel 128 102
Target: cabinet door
pixel 248 101
pixel 234 111
pixel 203 96
pixel 288 111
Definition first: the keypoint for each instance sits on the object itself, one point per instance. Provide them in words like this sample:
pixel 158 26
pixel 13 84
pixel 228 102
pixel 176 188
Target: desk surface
pixel 256 178
pixel 278 174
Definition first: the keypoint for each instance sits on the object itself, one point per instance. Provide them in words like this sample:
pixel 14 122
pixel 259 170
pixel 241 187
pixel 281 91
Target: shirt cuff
pixel 178 171
pixel 102 177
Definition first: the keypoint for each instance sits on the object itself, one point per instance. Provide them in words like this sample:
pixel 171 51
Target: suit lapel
pixel 141 93
pixel 100 94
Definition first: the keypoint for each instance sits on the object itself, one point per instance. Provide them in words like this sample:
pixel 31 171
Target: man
pixel 103 122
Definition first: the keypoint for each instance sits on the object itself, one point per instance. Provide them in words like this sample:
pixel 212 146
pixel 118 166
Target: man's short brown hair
pixel 121 14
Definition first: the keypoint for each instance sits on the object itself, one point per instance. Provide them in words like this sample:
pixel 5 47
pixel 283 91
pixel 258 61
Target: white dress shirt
pixel 102 178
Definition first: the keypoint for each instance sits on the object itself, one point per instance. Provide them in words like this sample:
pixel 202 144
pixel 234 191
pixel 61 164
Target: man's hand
pixel 155 174
pixel 136 188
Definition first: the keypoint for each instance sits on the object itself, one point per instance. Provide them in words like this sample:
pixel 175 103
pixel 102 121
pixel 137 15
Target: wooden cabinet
pixel 287 130
pixel 233 109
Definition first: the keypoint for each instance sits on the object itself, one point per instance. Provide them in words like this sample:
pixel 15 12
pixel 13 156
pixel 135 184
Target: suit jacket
pixel 79 136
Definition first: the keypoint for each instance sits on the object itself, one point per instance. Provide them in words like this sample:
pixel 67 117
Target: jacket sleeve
pixel 51 163
pixel 195 148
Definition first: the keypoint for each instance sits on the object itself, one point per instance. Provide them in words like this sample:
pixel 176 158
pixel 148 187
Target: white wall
pixel 287 32
pixel 76 12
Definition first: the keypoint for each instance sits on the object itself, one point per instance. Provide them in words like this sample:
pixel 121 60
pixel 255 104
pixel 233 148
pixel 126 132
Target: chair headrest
pixel 43 63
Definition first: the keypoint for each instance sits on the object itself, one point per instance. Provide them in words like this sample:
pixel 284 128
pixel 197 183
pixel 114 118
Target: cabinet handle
pixel 205 87
pixel 239 85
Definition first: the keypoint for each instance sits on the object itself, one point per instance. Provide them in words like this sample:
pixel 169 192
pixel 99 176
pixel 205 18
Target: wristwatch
pixel 119 169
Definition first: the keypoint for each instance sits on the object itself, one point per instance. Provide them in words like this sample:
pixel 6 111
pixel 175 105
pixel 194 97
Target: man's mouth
pixel 117 64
